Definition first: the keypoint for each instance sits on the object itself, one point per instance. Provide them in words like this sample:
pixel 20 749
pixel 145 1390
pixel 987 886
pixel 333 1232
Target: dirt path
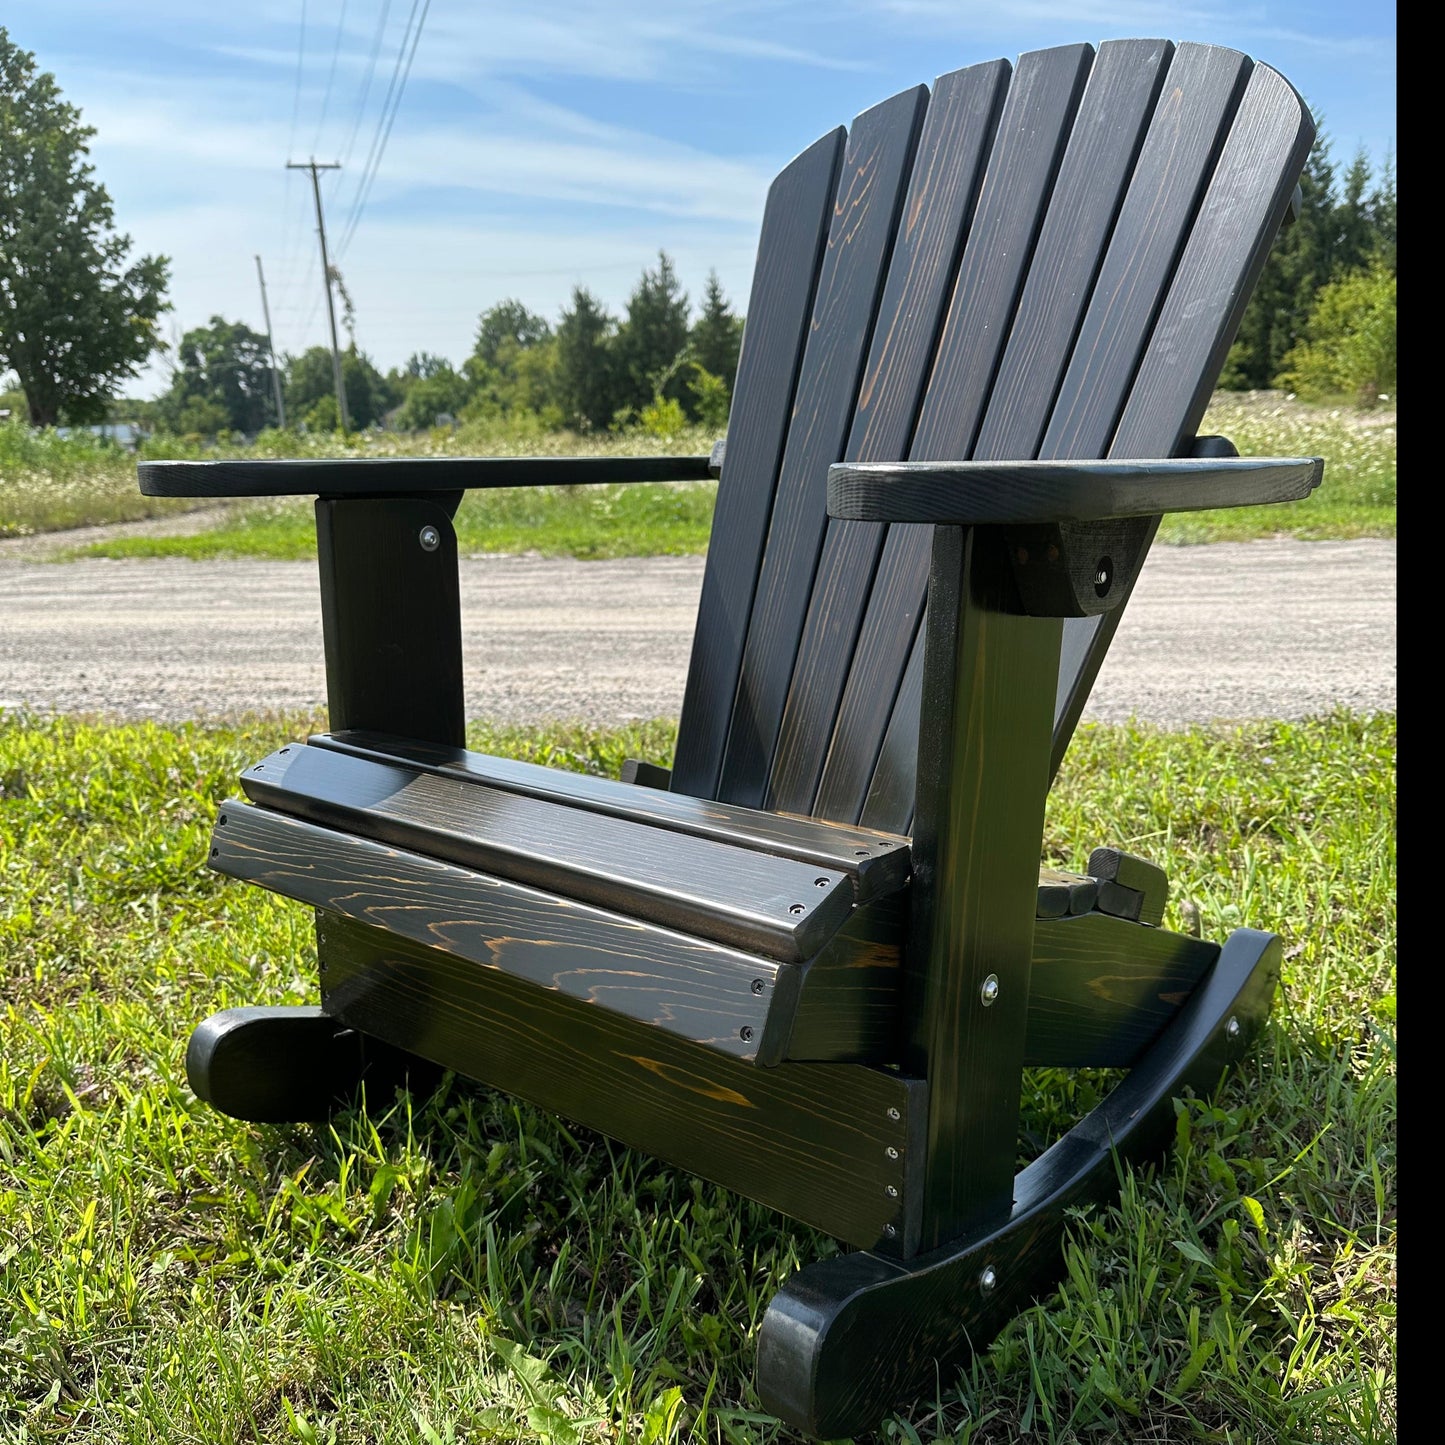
pixel 1232 630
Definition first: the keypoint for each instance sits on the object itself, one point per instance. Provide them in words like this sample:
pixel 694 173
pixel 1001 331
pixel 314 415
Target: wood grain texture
pixel 680 985
pixel 877 862
pixel 391 615
pixel 892 789
pixel 1239 216
pixel 1094 174
pixel 1103 989
pixel 983 745
pixel 860 241
pixel 848 998
pixel 942 189
pixel 983 492
pixel 1033 128
pixel 812 1140
pixel 396 476
pixel 1129 886
pixel 1175 163
pixel 794 232
pixel 1062 894
pixel 773 906
pixel 848 1337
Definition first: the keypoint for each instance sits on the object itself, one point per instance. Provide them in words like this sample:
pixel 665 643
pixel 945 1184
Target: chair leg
pixel 293 1064
pixel 846 1338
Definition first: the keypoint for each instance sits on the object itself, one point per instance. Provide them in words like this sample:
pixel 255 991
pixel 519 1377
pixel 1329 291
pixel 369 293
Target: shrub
pixel 1349 343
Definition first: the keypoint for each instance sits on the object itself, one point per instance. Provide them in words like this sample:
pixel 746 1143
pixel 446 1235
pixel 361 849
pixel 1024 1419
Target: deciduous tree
pixel 77 314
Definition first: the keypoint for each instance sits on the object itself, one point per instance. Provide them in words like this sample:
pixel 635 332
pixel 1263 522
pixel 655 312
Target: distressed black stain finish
pixel 398 476
pixel 809 1139
pixel 1043 267
pixel 847 1337
pixel 774 906
pixel 701 991
pixel 1103 989
pixel 391 615
pixel 942 190
pixel 876 862
pixel 1032 130
pixel 794 232
pixel 875 175
pixel 1242 210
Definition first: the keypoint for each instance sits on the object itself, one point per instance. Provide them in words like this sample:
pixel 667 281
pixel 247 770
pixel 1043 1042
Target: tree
pixel 717 334
pixel 77 316
pixel 311 389
pixel 651 343
pixel 1349 343
pixel 510 367
pixel 505 327
pixel 437 391
pixel 1298 266
pixel 586 389
pixel 222 381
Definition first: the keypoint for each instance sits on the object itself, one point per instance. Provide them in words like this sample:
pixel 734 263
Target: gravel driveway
pixel 1231 630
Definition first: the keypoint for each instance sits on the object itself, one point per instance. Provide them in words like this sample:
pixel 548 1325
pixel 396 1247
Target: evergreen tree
pixel 1301 262
pixel 717 334
pixel 651 344
pixel 1382 214
pixel 1354 239
pixel 586 384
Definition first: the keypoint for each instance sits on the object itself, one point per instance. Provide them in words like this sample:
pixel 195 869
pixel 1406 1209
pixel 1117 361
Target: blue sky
pixel 539 144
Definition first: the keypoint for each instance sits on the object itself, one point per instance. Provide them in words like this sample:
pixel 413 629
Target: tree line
pixel 591 371
pixel 79 316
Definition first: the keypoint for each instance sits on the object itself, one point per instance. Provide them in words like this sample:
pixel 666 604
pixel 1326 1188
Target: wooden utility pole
pixel 271 347
pixel 314 167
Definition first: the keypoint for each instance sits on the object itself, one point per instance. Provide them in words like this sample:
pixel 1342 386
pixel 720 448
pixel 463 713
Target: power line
pixel 331 74
pixel 384 134
pixel 366 84
pixel 300 59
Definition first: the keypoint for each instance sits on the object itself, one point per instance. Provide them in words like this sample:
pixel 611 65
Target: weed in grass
pixel 466 1268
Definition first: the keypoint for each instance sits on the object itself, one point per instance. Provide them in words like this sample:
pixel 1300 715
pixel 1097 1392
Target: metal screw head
pixel 798 908
pixel 820 883
pixel 988 1278
pixel 746 1033
pixel 893 1191
pixel 429 538
pixel 892 1152
pixel 757 985
pixel 1232 1028
pixel 891 1230
pixel 893 1113
pixel 989 992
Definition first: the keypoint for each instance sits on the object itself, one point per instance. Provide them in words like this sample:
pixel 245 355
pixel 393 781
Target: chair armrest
pixel 1017 493
pixel 392 476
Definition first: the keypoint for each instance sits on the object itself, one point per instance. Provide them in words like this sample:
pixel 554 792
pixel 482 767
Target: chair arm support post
pixel 986 721
pixel 391 615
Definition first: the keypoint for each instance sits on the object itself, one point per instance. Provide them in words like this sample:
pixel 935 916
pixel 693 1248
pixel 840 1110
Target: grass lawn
pixel 469 1269
pixel 47 486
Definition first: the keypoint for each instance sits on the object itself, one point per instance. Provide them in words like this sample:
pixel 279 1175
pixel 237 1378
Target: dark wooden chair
pixel 811 961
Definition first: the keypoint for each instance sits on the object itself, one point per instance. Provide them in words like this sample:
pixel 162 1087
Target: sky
pixel 492 149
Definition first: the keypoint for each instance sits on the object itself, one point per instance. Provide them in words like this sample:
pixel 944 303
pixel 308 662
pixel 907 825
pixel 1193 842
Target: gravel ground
pixel 1231 630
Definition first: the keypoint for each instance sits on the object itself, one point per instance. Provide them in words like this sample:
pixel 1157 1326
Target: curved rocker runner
pixel 811 959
